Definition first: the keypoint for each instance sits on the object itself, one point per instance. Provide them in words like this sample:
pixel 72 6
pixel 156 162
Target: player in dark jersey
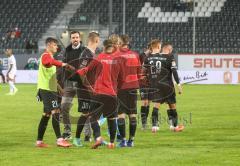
pixel 127 94
pixel 107 72
pixel 144 90
pixel 84 94
pixel 161 67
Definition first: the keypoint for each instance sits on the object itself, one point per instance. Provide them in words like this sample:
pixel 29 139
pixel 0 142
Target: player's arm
pixel 10 69
pixel 89 68
pixel 176 77
pixel 86 58
pixel 144 72
pixel 48 60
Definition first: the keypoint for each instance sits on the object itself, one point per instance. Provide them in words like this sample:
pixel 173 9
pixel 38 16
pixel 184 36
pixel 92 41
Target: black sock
pixel 42 127
pixel 173 117
pixel 112 126
pixel 56 124
pixel 122 127
pixel 155 117
pixel 132 127
pixel 96 129
pixel 144 114
pixel 147 111
pixel 80 125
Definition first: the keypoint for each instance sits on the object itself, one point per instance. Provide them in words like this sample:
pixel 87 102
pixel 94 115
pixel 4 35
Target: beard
pixel 75 43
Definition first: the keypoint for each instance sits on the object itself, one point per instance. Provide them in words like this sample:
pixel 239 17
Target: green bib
pixel 47 77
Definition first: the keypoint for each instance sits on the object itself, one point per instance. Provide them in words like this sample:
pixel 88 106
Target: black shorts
pixel 127 101
pixel 49 99
pixel 164 94
pixel 144 93
pixel 147 93
pixel 84 100
pixel 105 105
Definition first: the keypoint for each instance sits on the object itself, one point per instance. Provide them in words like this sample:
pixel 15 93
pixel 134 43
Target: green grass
pixel 212 137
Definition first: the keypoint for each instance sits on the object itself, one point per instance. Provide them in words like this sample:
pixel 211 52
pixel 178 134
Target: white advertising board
pixel 25 76
pixel 209 62
pixel 209 77
pixel 186 76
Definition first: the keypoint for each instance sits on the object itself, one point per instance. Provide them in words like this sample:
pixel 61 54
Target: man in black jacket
pixel 71 56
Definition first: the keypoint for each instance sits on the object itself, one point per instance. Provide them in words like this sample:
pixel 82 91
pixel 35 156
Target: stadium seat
pixel 216 21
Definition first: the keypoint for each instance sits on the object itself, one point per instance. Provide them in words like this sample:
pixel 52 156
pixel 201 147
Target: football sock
pixel 147 112
pixel 96 129
pixel 173 117
pixel 144 114
pixel 122 127
pixel 112 126
pixel 155 116
pixel 56 124
pixel 42 127
pixel 132 127
pixel 80 125
pixel 12 86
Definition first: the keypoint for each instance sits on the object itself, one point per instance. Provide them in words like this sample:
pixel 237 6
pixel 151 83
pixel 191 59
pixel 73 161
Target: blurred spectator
pixel 35 46
pixel 17 33
pixel 31 46
pixel 12 34
pixel 31 65
pixel 1 73
pixel 180 6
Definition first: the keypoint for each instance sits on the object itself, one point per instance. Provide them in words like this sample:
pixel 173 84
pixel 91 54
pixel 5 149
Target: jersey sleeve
pixel 48 60
pixel 173 62
pixel 174 69
pixel 86 58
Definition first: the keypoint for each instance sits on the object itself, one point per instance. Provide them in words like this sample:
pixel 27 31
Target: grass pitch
pixel 210 113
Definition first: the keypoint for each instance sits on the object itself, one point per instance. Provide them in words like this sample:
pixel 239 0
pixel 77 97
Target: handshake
pixel 69 67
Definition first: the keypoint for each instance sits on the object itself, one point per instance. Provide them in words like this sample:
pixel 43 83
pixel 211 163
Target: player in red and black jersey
pixel 127 94
pixel 161 67
pixel 107 72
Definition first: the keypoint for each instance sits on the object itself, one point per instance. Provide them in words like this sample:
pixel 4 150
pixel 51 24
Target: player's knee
pixel 113 118
pixel 145 103
pixel 85 114
pixel 55 111
pixel 121 116
pixel 172 106
pixel 46 114
pixel 156 105
pixel 132 115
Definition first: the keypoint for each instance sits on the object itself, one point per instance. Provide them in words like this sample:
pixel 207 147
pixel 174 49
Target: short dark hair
pixel 125 39
pixel 108 43
pixel 73 32
pixel 93 35
pixel 50 40
pixel 165 44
